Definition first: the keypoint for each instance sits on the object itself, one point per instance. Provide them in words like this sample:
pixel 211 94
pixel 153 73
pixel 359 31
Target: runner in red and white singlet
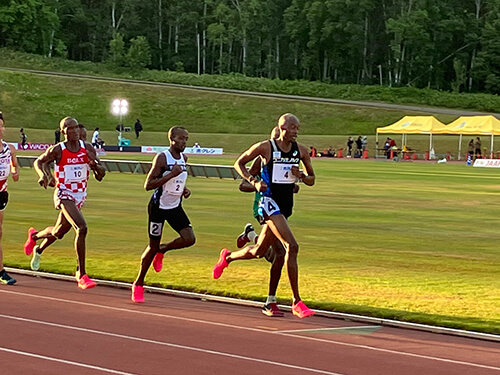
pixel 8 166
pixel 73 158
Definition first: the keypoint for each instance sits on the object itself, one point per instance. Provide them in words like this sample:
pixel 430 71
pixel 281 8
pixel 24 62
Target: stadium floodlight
pixel 119 107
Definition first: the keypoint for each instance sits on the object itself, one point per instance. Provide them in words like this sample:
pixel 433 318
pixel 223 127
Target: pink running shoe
pixel 137 293
pixel 221 263
pixel 30 242
pixel 158 262
pixel 84 282
pixel 301 310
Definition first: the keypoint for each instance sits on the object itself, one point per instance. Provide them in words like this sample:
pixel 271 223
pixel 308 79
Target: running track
pixel 52 327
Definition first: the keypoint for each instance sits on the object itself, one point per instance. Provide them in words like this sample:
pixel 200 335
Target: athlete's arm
pixel 155 176
pixel 42 165
pixel 94 163
pixel 186 193
pixel 254 170
pixel 14 165
pixel 262 149
pixel 307 178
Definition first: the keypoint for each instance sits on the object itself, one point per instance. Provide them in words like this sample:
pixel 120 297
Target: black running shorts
pixel 176 218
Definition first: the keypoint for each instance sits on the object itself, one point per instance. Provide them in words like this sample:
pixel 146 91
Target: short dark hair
pixel 1 116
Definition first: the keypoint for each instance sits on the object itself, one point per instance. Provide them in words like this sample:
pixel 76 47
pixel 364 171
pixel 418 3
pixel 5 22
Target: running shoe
pixel 272 309
pixel 243 237
pixel 6 279
pixel 84 282
pixel 30 242
pixel 158 262
pixel 221 263
pixel 301 310
pixel 137 293
pixel 35 260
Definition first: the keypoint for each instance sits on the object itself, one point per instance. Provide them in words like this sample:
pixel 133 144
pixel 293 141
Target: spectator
pixel 365 143
pixel 97 142
pixel 137 128
pixel 57 136
pixel 24 138
pixel 349 146
pixel 471 149
pixel 477 146
pixel 359 147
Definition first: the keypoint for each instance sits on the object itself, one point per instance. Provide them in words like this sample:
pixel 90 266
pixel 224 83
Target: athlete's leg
pixel 276 267
pixel 1 230
pixel 279 226
pixel 146 259
pixel 186 238
pixel 266 238
pixel 74 216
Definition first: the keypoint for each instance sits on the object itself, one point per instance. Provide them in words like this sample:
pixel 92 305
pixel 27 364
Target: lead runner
pixel 280 158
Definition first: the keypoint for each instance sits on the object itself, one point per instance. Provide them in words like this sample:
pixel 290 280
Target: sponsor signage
pixel 488 163
pixel 34 146
pixel 188 150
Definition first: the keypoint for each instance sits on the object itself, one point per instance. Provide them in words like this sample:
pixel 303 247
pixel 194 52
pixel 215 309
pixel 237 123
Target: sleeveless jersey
pixel 277 174
pixel 169 195
pixel 5 160
pixel 72 171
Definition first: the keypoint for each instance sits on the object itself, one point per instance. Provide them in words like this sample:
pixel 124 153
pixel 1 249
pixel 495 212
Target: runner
pixel 73 157
pixel 8 166
pixel 281 159
pixel 168 177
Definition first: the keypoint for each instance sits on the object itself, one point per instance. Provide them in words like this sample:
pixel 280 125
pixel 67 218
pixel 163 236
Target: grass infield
pixel 413 241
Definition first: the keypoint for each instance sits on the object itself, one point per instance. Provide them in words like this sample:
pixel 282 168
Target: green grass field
pixel 412 241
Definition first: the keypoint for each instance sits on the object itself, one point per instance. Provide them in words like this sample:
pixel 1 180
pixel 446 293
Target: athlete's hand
pixel 176 170
pixel 52 181
pixel 260 186
pixel 296 171
pixel 43 181
pixel 186 193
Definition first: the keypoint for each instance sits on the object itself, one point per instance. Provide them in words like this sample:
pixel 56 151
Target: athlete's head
pixel 178 137
pixel 69 127
pixel 275 133
pixel 82 132
pixel 289 127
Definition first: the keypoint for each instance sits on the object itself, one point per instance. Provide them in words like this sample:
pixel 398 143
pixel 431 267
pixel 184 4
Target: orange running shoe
pixel 84 282
pixel 221 263
pixel 301 310
pixel 158 262
pixel 137 293
pixel 30 242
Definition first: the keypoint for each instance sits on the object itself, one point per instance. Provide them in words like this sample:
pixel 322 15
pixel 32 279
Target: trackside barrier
pixel 139 167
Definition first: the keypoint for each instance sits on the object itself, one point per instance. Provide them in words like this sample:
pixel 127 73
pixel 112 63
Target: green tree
pixel 117 50
pixel 139 53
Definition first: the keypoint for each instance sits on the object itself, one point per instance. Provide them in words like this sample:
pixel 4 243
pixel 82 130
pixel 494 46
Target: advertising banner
pixel 488 163
pixel 188 150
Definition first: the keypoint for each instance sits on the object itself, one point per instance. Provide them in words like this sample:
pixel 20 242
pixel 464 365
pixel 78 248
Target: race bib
pixel 282 174
pixel 268 207
pixel 4 171
pixel 175 186
pixel 75 172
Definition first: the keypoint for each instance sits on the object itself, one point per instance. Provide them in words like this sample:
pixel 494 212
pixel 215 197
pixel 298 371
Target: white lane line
pixel 169 344
pixel 328 329
pixel 46 358
pixel 254 330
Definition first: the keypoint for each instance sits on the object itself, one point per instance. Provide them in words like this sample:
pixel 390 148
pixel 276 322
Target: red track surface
pixel 52 327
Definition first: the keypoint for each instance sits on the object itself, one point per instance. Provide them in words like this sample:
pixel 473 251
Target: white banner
pixel 188 150
pixel 490 163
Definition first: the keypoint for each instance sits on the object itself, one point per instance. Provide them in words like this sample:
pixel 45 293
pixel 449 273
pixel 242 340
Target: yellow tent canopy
pixel 472 125
pixel 414 125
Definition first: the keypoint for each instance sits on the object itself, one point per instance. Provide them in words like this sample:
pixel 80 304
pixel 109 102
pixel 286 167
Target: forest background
pixel 451 45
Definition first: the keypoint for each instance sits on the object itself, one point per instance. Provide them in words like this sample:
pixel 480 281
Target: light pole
pixel 119 107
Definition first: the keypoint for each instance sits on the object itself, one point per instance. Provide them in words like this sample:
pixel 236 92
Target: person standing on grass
pixel 167 177
pixel 280 171
pixel 72 158
pixel 8 166
pixel 477 146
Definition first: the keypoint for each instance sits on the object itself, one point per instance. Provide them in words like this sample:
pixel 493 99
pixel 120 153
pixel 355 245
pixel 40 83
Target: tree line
pixel 451 45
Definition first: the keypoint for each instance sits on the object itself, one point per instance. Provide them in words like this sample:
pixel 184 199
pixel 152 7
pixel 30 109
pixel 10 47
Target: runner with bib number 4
pixel 280 159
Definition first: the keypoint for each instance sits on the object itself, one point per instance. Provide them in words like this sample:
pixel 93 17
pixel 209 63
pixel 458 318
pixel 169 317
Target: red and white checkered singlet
pixel 72 172
pixel 5 158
